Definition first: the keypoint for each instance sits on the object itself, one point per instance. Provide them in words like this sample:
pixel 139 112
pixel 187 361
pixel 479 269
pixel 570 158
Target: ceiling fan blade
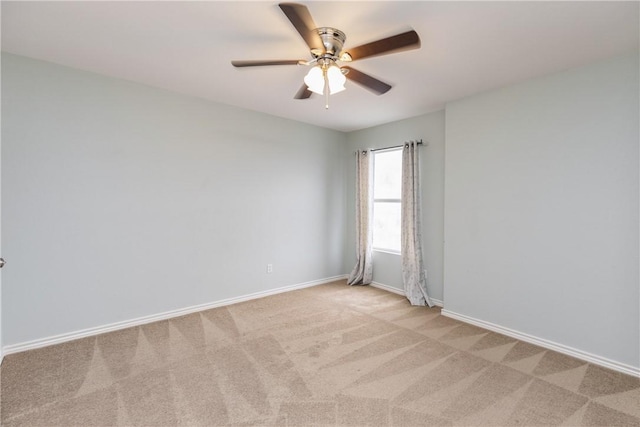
pixel 367 81
pixel 303 93
pixel 399 42
pixel 267 62
pixel 301 19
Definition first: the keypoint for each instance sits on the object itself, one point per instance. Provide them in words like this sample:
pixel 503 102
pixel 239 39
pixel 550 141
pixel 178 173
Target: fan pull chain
pixel 326 89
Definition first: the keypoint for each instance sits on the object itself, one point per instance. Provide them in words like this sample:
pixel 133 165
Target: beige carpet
pixel 327 355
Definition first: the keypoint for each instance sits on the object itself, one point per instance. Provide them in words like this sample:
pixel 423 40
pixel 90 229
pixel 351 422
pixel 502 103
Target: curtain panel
pixel 362 273
pixel 414 275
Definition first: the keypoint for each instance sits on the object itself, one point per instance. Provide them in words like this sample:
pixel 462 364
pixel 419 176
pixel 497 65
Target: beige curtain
pixel 414 275
pixel 362 273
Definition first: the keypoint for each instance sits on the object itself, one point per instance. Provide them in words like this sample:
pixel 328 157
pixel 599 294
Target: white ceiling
pixel 186 47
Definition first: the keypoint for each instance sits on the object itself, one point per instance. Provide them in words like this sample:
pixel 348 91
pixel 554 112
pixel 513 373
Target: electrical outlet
pixel 269 268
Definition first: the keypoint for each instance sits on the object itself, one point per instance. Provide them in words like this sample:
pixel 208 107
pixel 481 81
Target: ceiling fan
pixel 326 47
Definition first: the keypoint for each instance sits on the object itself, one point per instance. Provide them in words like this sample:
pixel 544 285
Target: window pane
pixel 386 225
pixel 387 175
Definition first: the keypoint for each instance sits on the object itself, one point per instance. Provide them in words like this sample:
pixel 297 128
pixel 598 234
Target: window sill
pixel 387 251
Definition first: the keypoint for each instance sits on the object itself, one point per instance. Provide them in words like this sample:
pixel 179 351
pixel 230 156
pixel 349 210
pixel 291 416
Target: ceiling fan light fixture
pixel 325 74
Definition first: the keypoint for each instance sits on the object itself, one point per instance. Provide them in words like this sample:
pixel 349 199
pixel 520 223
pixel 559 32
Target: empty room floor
pixel 326 355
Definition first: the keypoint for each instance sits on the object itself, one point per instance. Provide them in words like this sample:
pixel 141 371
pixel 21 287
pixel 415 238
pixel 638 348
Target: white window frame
pixel 398 200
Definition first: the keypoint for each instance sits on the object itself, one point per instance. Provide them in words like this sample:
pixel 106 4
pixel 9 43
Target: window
pixel 387 190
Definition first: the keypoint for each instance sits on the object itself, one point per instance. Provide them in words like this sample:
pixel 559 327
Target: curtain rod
pixel 396 146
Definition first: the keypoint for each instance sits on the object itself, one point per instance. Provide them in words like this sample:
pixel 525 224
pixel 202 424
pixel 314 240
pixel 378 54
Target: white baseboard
pixel 387 288
pixel 394 290
pixel 57 339
pixel 560 348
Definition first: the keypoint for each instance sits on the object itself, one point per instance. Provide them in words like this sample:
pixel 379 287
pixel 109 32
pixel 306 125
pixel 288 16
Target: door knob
pixel 2 262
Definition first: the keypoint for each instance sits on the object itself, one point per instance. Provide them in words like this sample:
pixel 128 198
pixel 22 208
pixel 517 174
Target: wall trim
pixel 560 348
pixel 395 290
pixel 57 339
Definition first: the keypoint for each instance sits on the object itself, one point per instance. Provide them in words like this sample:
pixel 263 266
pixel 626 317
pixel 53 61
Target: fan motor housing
pixel 333 40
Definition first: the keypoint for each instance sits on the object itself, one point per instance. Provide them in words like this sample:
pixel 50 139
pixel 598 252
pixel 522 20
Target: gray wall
pixel 121 201
pixel 430 128
pixel 541 208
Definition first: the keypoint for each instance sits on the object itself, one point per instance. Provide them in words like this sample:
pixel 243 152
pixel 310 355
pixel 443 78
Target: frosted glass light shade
pixel 315 80
pixel 336 79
